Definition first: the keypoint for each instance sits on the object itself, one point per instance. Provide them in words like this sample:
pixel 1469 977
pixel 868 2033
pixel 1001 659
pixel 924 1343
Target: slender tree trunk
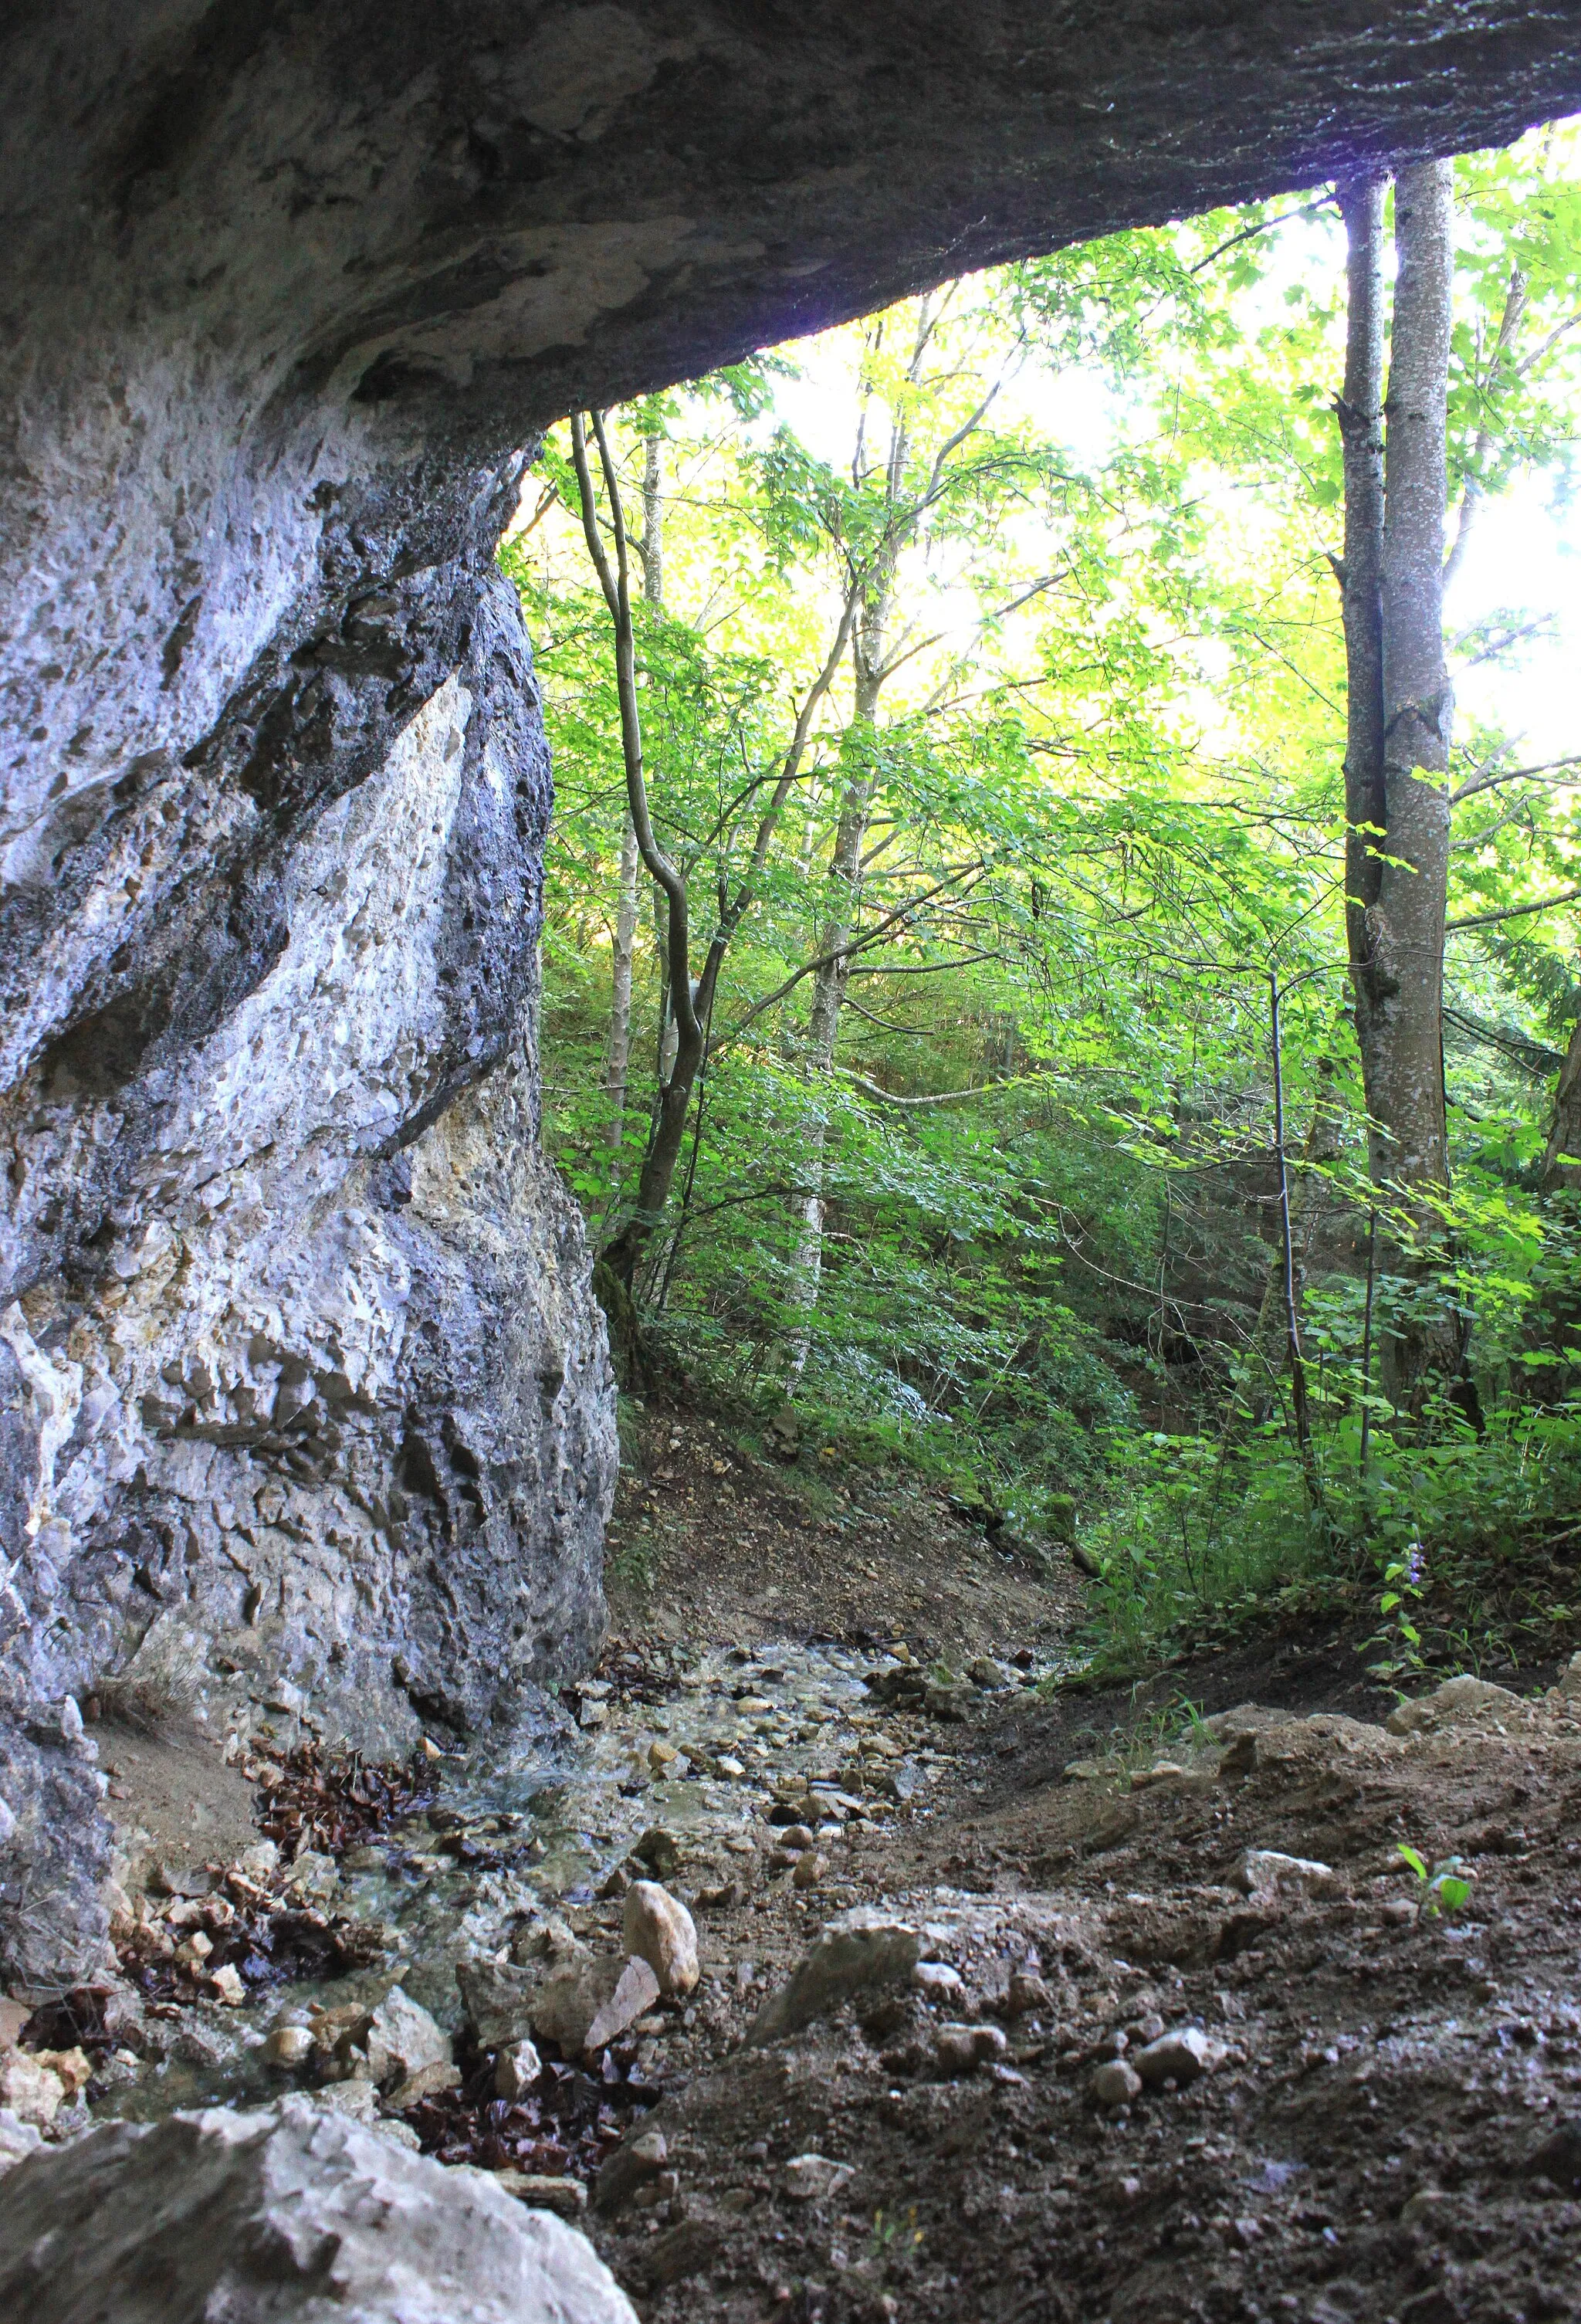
pixel 621 986
pixel 626 902
pixel 1361 427
pixel 1303 1203
pixel 1408 919
pixel 829 983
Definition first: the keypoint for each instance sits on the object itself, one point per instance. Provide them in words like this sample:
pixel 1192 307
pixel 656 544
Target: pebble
pixel 425 2083
pixel 1179 2057
pixel 938 1981
pixel 960 2049
pixel 289 2046
pixel 1265 1871
pixel 31 2091
pixel 1027 1995
pixel 810 1869
pixel 635 2163
pixel 227 1984
pixel 1116 2084
pixel 658 1929
pixel 516 2068
pixel 814 2178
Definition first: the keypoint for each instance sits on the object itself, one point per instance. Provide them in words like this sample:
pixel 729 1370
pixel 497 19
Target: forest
pixel 1060 959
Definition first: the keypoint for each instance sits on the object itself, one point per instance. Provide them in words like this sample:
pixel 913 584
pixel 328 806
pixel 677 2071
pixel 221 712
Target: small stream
pixel 688 1758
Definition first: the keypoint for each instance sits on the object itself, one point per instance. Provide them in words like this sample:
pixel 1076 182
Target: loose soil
pixel 1390 2125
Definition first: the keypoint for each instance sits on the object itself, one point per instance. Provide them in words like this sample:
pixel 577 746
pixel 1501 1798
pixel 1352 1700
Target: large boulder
pixel 285 2216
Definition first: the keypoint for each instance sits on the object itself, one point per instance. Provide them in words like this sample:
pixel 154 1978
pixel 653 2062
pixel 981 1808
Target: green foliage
pixel 1444 1889
pixel 1103 492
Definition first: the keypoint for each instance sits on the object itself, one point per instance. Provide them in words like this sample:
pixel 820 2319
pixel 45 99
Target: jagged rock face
pixel 300 1383
pixel 309 1407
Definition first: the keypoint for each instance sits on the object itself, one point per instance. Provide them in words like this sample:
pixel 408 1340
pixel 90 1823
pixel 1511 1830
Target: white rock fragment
pixel 814 2178
pixel 1267 1872
pixel 402 2039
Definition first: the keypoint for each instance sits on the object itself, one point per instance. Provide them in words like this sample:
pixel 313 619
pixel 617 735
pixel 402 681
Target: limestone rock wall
pixel 315 1423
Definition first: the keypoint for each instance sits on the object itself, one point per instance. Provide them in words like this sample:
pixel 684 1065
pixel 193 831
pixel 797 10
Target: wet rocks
pixel 289 2046
pixel 30 2091
pixel 585 2006
pixel 402 2040
pixel 659 1929
pixel 498 1998
pixel 863 1949
pixel 18 2139
pixel 288 2212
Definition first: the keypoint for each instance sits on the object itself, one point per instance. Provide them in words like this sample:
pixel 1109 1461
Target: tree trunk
pixel 1407 950
pixel 1360 428
pixel 621 984
pixel 829 980
pixel 626 901
pixel 1561 1164
pixel 1400 703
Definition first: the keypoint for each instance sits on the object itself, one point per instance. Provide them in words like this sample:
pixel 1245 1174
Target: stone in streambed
pixel 584 2007
pixel 498 1998
pixel 30 2091
pixel 659 1929
pixel 403 2039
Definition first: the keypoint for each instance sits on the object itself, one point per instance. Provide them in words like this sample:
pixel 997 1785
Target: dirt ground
pixel 1376 2111
pixel 1391 2126
pixel 713 1537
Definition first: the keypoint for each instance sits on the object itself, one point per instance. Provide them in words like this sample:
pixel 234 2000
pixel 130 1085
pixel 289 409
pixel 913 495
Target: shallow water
pixel 562 1812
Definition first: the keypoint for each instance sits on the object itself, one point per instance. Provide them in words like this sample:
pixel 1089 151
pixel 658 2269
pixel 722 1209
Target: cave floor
pixel 1389 2123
